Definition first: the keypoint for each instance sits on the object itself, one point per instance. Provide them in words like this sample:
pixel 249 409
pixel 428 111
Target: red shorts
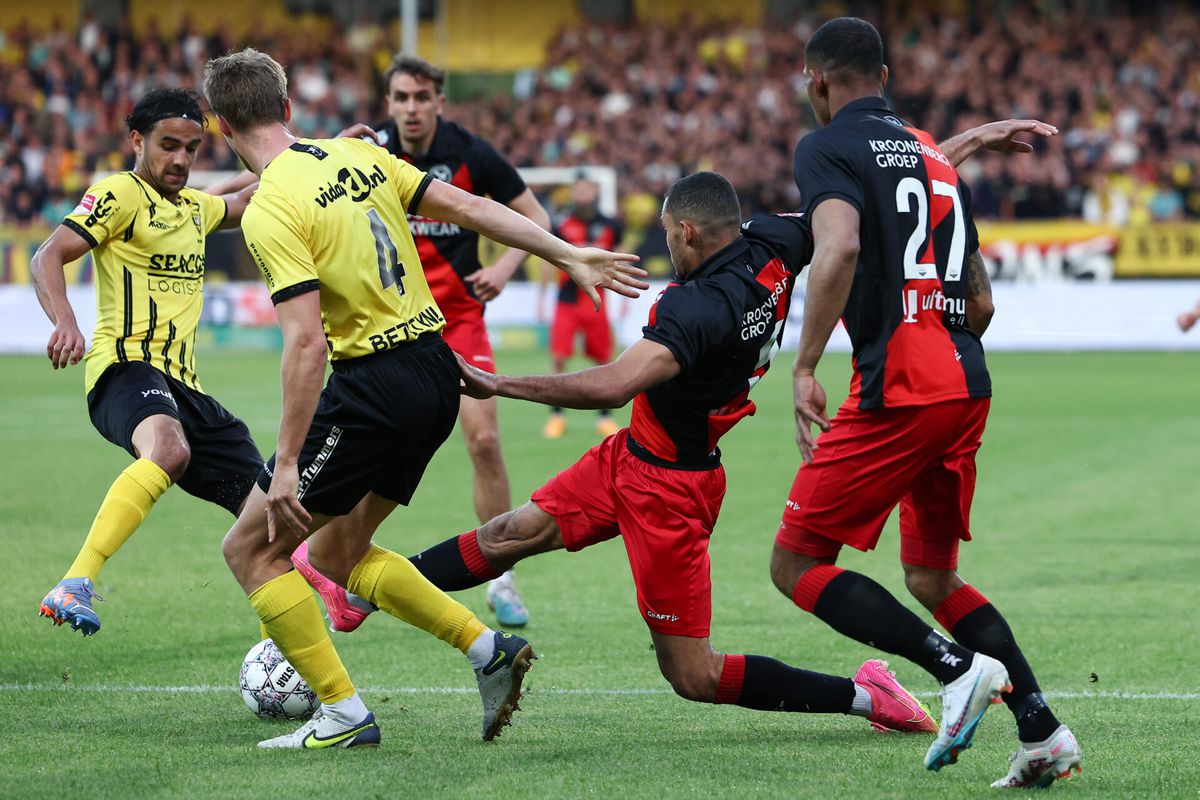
pixel 921 457
pixel 573 318
pixel 665 516
pixel 467 335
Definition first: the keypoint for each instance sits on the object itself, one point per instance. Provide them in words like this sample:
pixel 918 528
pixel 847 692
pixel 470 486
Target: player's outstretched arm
pixel 491 280
pixel 612 385
pixel 980 308
pixel 835 225
pixel 66 345
pixel 996 136
pixel 589 267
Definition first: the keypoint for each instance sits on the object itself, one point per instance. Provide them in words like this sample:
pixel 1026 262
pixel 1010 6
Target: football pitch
pixel 1086 538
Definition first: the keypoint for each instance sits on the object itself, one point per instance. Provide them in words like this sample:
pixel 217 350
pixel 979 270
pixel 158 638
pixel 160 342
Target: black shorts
pixel 380 419
pixel 225 461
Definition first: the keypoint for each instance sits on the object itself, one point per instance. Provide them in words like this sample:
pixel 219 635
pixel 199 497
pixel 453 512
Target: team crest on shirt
pixel 196 222
pixel 441 173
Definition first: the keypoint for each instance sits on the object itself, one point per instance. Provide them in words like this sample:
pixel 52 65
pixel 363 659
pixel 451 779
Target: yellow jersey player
pixel 328 228
pixel 146 232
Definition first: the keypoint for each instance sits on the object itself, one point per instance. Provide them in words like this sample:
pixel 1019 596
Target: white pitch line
pixel 385 690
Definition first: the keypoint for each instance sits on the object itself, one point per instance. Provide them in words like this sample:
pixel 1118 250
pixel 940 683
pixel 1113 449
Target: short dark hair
pixel 846 45
pixel 706 199
pixel 159 104
pixel 417 67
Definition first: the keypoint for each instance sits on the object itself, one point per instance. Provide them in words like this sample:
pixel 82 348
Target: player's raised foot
pixel 1036 765
pixel 324 731
pixel 606 427
pixel 503 599
pixel 71 601
pixel 893 708
pixel 964 701
pixel 556 426
pixel 344 613
pixel 500 681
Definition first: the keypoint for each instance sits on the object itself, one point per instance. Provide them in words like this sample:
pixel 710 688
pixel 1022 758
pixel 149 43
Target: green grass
pixel 1085 538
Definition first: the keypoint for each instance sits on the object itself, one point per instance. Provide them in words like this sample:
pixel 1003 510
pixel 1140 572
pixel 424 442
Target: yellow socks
pixel 126 505
pixel 291 616
pixel 391 582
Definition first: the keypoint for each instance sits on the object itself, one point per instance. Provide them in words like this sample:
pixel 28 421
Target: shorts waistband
pixel 422 342
pixel 712 462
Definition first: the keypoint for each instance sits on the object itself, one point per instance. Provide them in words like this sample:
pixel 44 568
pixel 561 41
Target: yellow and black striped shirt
pixel 149 256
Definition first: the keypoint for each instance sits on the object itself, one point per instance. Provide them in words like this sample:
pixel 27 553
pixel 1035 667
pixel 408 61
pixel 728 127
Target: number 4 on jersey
pixel 391 271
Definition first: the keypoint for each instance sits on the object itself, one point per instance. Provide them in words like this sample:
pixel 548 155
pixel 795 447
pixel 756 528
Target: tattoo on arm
pixel 978 283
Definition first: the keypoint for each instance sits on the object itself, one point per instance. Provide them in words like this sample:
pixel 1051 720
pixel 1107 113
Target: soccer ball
pixel 272 688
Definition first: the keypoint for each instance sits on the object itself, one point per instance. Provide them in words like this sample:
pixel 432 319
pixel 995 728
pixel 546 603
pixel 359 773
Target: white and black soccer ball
pixel 272 688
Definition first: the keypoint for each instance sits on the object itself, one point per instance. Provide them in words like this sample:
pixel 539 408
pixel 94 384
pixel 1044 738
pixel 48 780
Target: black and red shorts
pixel 665 517
pixel 921 458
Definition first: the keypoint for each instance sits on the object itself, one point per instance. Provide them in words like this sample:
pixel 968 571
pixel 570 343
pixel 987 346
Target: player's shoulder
pixel 123 187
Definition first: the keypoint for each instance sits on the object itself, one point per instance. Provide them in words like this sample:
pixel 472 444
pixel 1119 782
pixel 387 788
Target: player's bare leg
pixel 475 557
pixel 1048 750
pixel 699 673
pixel 481 430
pixel 858 607
pixel 163 455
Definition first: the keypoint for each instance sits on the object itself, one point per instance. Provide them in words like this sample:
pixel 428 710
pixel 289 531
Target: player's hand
pixel 591 267
pixel 998 136
pixel 1186 320
pixel 809 399
pixel 475 382
pixel 359 130
pixel 488 282
pixel 66 345
pixel 284 512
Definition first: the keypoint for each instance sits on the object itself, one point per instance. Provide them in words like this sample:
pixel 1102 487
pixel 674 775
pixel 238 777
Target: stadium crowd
pixel 657 102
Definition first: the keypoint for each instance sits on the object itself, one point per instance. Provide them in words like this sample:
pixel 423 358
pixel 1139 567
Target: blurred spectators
pixel 658 102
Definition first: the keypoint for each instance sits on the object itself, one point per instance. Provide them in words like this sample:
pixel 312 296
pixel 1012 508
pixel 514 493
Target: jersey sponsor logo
pixel 914 303
pixel 356 185
pixel 85 205
pixel 314 468
pixel 190 264
pixel 904 153
pixel 158 393
pixel 101 209
pixel 428 319
pixel 432 228
pixel 262 266
pixel 758 321
pixel 441 172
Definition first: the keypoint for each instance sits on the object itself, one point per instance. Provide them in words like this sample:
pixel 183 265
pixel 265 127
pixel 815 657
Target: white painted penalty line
pixel 385 690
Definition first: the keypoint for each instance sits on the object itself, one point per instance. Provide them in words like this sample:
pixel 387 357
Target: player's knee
pixel 483 444
pixel 930 586
pixel 172 455
pixel 691 681
pixel 516 534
